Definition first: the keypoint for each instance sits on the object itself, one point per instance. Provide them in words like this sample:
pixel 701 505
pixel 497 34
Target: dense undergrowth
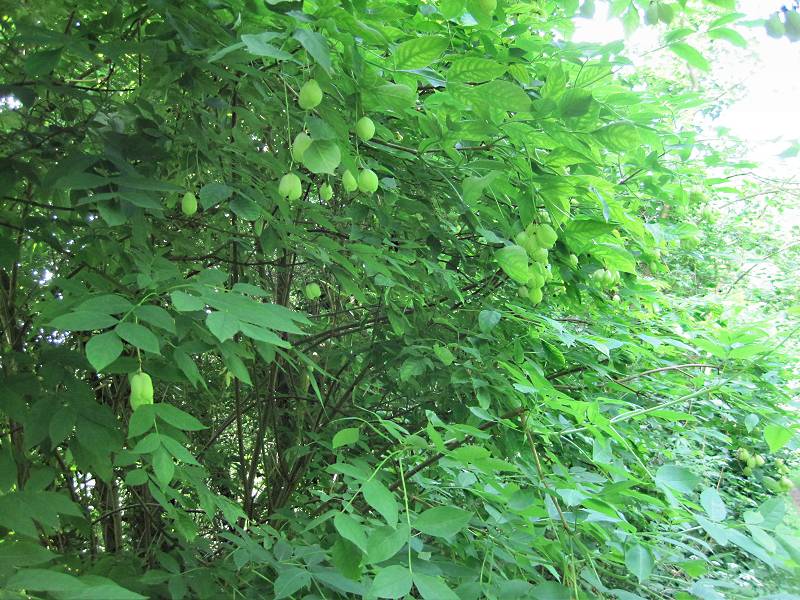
pixel 495 341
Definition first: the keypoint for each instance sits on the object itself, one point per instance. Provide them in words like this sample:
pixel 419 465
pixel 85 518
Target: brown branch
pixel 40 204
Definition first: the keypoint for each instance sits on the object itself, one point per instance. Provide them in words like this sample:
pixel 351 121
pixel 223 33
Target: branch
pixel 670 368
pixel 758 263
pixel 643 411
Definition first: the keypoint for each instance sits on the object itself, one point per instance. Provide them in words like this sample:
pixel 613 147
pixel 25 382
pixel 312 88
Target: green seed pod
pixel 772 484
pixel 751 462
pixel 786 484
pixel 349 182
pixel 792 25
pixel 290 187
pixel 367 181
pixel 540 256
pixel 573 261
pixel 488 6
pixel 301 143
pixel 189 204
pixel 536 280
pixel 313 291
pixel 666 13
pixel 522 291
pixel 310 95
pixel 535 295
pixel 537 269
pixel 651 14
pixel 747 471
pixel 546 236
pixel 141 390
pixel 521 238
pixel 775 27
pixel 325 191
pixel 759 460
pixel 365 128
pixel 531 245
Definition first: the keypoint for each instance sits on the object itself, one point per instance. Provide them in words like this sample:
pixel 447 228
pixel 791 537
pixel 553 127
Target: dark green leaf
pixel 442 521
pixel 83 321
pixel 138 336
pixel 103 349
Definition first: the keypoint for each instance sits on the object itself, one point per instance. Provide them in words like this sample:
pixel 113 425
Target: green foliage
pixel 333 300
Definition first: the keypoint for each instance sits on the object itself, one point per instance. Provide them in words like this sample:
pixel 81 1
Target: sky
pixel 765 75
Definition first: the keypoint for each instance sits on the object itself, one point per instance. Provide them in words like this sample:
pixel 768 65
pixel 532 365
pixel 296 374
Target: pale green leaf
pixel 419 52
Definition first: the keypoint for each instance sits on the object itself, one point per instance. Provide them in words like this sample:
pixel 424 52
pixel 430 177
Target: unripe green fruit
pixel 747 471
pixel 367 181
pixel 771 484
pixel 665 13
pixel 189 204
pixel 587 9
pixel 535 281
pixel 301 143
pixel 573 261
pixel 290 187
pixel 313 291
pixel 535 295
pixel 651 14
pixel 365 128
pixel 310 95
pixel 488 6
pixel 522 291
pixel 792 25
pixel 349 182
pixel 546 236
pixel 540 255
pixel 537 269
pixel 141 390
pixel 751 462
pixel 743 454
pixel 521 238
pixel 786 484
pixel 775 27
pixel 759 460
pixel 326 191
pixel 531 245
